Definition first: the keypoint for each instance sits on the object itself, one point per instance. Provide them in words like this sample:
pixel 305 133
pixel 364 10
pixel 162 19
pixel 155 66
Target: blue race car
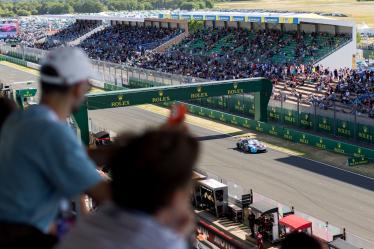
pixel 250 145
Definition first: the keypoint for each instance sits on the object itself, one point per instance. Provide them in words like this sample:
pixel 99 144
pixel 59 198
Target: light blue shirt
pixel 114 228
pixel 41 162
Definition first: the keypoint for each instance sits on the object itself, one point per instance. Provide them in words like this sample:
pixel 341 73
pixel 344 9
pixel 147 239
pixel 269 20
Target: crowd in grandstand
pixel 227 53
pixel 33 29
pixel 119 43
pixel 66 35
pixel 354 89
pixel 218 54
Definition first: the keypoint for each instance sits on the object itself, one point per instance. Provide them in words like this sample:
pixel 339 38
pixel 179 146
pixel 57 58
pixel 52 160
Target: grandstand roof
pixel 244 16
pixel 255 16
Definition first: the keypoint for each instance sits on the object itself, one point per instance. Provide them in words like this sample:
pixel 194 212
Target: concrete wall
pixel 259 26
pixel 156 24
pixel 290 27
pixel 220 24
pixel 273 26
pixel 327 28
pixel 148 24
pixel 341 58
pixel 245 25
pixel 164 24
pixel 232 24
pixel 308 28
pixel 209 23
pixel 344 30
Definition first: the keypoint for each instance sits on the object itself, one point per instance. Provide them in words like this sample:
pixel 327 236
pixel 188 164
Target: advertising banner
pixel 8 30
pixel 354 161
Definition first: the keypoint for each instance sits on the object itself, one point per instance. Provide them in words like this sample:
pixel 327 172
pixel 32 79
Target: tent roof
pixel 295 222
pixel 264 207
pixel 341 244
pixel 102 134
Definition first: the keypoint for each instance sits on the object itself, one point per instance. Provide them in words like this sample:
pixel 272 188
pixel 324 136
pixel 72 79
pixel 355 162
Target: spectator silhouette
pixel 300 240
pixel 151 187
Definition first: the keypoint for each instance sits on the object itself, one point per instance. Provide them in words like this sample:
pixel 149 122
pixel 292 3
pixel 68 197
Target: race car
pixel 250 145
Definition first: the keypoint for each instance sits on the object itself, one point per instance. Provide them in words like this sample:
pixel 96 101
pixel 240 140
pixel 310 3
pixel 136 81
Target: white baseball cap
pixel 71 64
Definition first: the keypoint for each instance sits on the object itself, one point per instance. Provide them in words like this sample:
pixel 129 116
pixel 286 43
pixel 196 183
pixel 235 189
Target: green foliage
pixel 358 37
pixel 9 8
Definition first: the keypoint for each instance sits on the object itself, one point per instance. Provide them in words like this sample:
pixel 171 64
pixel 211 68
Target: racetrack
pixel 10 75
pixel 343 199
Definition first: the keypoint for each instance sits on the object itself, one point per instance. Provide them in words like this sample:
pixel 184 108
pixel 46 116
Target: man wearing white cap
pixel 41 159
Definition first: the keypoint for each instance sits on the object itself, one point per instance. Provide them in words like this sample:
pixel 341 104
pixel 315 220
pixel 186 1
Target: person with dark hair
pixel 151 185
pixel 7 106
pixel 41 159
pixel 298 240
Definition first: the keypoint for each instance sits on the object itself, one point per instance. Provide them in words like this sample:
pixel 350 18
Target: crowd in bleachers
pixel 219 54
pixel 349 90
pixel 119 43
pixel 227 53
pixel 34 28
pixel 66 35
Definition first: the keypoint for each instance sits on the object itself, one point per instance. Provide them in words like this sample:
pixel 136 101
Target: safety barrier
pixel 111 87
pixel 244 105
pixel 26 57
pixel 13 60
pixel 283 132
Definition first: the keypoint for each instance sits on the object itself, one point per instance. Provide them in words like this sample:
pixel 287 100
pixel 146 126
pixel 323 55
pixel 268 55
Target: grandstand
pixel 285 47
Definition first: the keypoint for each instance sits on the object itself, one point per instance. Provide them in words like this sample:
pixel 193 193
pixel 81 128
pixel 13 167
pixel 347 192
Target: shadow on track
pixel 335 173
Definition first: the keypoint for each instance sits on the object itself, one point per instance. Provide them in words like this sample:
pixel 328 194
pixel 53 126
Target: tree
pixel 23 12
pixel 187 6
pixel 209 4
pixel 88 6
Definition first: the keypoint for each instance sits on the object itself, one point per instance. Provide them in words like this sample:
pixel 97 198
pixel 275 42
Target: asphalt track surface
pixel 9 75
pixel 342 198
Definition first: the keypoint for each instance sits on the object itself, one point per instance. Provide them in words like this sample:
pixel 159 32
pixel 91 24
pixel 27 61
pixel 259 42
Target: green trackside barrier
pixel 111 87
pixel 354 161
pixel 14 60
pixel 365 133
pixel 261 88
pixel 285 133
pixel 245 106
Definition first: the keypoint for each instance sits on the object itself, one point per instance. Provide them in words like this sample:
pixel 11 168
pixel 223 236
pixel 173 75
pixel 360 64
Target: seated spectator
pixel 151 196
pixel 42 161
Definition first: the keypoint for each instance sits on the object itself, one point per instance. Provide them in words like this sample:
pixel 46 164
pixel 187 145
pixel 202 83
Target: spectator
pixel 300 240
pixel 42 161
pixel 7 106
pixel 151 194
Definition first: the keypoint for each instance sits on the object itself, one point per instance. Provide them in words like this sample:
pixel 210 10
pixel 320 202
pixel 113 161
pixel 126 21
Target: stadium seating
pixel 118 43
pixel 66 35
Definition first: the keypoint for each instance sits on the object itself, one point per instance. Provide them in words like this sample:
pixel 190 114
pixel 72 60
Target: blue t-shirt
pixel 41 162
